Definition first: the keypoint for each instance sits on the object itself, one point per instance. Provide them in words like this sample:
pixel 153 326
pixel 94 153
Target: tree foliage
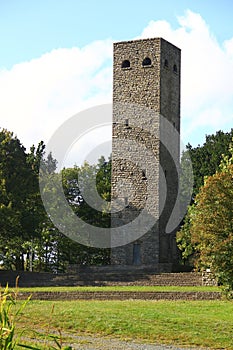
pixel 16 189
pixel 206 158
pixel 204 161
pixel 208 230
pixel 78 187
pixel 28 238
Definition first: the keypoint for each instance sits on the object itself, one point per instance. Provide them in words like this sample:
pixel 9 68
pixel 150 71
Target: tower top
pixel 149 40
pixel 146 72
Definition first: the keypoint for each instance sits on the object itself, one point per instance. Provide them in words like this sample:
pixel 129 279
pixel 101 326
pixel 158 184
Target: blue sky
pixel 56 59
pixel 30 28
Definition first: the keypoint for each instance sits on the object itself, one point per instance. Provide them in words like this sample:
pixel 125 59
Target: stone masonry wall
pixel 118 295
pixel 146 84
pixel 170 71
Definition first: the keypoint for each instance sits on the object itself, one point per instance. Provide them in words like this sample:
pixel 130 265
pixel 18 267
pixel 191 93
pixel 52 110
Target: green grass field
pixel 124 289
pixel 186 323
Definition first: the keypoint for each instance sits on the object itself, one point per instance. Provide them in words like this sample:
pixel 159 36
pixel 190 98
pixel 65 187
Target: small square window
pixel 175 68
pixel 144 174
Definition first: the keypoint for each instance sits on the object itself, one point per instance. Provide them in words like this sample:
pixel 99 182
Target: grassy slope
pixel 123 288
pixel 197 323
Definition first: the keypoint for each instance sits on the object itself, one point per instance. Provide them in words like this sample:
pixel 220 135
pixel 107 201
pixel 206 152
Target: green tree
pixel 209 232
pixel 78 182
pixel 22 214
pixel 184 241
pixel 36 218
pixel 28 238
pixel 16 182
pixel 205 162
pixel 206 158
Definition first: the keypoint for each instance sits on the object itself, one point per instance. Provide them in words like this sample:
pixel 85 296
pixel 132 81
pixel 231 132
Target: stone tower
pixel 145 150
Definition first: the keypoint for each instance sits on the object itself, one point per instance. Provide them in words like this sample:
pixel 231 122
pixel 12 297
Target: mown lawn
pixel 124 289
pixel 186 323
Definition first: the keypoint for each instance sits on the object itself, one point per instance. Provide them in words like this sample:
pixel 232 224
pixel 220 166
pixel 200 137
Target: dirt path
pixel 93 342
pixel 96 343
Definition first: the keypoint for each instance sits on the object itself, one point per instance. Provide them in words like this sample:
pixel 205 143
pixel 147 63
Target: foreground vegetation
pixel 185 323
pixel 50 325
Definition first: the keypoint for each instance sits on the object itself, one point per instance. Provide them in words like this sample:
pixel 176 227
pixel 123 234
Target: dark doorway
pixel 136 254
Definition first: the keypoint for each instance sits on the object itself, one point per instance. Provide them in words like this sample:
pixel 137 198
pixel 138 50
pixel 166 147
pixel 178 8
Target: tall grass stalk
pixel 9 314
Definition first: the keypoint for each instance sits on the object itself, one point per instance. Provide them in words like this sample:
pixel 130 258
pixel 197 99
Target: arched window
pixel 125 64
pixel 166 63
pixel 175 68
pixel 146 62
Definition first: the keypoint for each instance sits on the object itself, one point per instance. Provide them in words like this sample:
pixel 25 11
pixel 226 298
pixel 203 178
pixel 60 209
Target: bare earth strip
pixel 96 343
pixel 92 342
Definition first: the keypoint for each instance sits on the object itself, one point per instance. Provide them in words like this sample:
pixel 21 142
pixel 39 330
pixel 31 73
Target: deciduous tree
pixel 211 224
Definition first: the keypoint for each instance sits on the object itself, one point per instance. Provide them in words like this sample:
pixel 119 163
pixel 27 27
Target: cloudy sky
pixel 56 60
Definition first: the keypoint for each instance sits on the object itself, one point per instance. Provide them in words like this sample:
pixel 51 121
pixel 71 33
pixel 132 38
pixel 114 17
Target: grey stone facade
pixel 145 148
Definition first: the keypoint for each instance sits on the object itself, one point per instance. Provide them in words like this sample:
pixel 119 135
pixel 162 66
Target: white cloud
pixel 228 45
pixel 207 68
pixel 37 96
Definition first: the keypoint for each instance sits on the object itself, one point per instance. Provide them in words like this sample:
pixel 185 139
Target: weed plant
pixel 10 313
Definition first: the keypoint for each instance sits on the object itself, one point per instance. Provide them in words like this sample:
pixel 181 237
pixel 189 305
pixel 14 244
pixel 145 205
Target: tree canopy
pixel 207 233
pixel 17 198
pixel 206 158
pixel 28 238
